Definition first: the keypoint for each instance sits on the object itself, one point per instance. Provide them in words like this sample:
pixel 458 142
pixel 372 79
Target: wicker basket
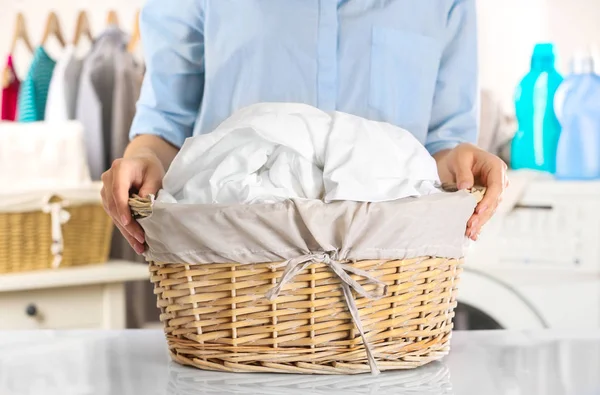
pixel 26 239
pixel 216 316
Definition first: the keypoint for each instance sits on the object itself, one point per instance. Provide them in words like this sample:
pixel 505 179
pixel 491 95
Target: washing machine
pixel 537 263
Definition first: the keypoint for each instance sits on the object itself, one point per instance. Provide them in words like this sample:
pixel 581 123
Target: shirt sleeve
pixel 173 46
pixel 455 111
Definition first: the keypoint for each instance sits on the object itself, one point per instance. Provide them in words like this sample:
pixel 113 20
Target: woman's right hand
pixel 142 174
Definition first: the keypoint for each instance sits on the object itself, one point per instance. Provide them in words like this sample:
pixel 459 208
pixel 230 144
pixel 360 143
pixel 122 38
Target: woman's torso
pixel 372 58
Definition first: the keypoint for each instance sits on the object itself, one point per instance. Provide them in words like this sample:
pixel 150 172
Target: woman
pixel 406 62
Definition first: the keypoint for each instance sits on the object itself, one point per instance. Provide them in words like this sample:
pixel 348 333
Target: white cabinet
pixel 71 298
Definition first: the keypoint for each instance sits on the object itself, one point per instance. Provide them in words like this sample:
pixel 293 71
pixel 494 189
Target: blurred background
pixel 507 31
pixel 537 264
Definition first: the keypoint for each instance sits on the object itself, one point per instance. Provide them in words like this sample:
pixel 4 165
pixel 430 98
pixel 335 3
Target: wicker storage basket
pixel 51 212
pixel 216 316
pixel 26 238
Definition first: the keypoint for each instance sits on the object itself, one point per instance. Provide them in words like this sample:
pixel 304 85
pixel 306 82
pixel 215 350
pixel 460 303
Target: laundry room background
pixel 36 13
pixel 495 291
pixel 508 30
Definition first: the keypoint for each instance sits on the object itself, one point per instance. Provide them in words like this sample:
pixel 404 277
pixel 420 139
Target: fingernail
pixel 139 237
pixel 125 220
pixel 139 249
pixel 474 223
pixel 482 209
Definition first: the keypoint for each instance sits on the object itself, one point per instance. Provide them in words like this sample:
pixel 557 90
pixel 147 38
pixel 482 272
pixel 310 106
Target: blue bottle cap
pixel 544 50
pixel 543 54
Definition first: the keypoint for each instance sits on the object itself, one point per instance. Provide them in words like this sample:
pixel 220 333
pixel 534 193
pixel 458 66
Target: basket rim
pixel 141 207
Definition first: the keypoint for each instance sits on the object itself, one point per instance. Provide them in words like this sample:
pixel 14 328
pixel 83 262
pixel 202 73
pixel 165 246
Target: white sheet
pixel 270 152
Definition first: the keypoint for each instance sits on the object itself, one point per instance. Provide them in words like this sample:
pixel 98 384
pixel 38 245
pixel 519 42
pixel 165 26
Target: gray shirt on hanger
pixel 109 87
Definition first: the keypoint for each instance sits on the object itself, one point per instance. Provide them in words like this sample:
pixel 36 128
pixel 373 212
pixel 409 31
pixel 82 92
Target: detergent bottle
pixel 577 104
pixel 534 144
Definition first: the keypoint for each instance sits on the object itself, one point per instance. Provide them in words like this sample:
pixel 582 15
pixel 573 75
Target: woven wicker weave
pixel 216 316
pixel 25 239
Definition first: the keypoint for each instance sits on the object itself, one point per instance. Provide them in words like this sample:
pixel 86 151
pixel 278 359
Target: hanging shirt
pixel 10 92
pixel 94 103
pixel 129 75
pixel 106 99
pixel 34 89
pixel 62 94
pixel 407 62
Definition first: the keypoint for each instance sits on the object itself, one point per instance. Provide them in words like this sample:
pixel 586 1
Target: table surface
pixel 114 271
pixel 136 362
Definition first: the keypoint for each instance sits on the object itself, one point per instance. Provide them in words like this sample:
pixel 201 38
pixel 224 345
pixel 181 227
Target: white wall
pixel 508 30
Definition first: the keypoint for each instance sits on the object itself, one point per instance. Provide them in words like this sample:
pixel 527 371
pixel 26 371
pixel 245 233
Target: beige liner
pixel 432 225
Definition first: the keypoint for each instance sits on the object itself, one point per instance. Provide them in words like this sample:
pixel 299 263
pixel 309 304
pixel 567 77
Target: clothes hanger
pixel 20 33
pixel 6 77
pixel 52 29
pixel 112 19
pixel 135 35
pixel 82 28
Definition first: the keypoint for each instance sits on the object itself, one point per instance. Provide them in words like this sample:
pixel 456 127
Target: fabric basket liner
pixel 432 225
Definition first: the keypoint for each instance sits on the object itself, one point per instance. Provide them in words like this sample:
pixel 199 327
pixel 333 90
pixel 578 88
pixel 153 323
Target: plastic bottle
pixel 577 104
pixel 534 145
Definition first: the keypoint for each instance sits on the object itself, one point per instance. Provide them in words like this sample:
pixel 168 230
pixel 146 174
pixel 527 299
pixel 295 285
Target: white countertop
pixel 136 362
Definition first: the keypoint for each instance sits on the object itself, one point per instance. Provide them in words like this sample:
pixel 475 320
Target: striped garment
pixel 34 89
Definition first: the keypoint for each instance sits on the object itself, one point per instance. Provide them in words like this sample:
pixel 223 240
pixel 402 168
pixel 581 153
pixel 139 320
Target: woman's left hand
pixel 466 166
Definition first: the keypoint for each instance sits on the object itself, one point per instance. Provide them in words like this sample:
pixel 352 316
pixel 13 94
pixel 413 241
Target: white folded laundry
pixel 270 152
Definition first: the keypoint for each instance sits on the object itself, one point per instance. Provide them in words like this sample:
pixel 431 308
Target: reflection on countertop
pixel 136 362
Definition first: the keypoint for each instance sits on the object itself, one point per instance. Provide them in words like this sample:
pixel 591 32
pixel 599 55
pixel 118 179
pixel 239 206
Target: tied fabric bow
pixel 297 265
pixel 58 217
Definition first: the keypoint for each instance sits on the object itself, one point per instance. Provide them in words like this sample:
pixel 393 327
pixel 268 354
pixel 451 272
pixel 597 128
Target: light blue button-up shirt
pixel 412 63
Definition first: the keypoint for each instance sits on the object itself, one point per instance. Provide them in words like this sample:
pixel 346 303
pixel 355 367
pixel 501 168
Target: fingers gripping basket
pixel 370 289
